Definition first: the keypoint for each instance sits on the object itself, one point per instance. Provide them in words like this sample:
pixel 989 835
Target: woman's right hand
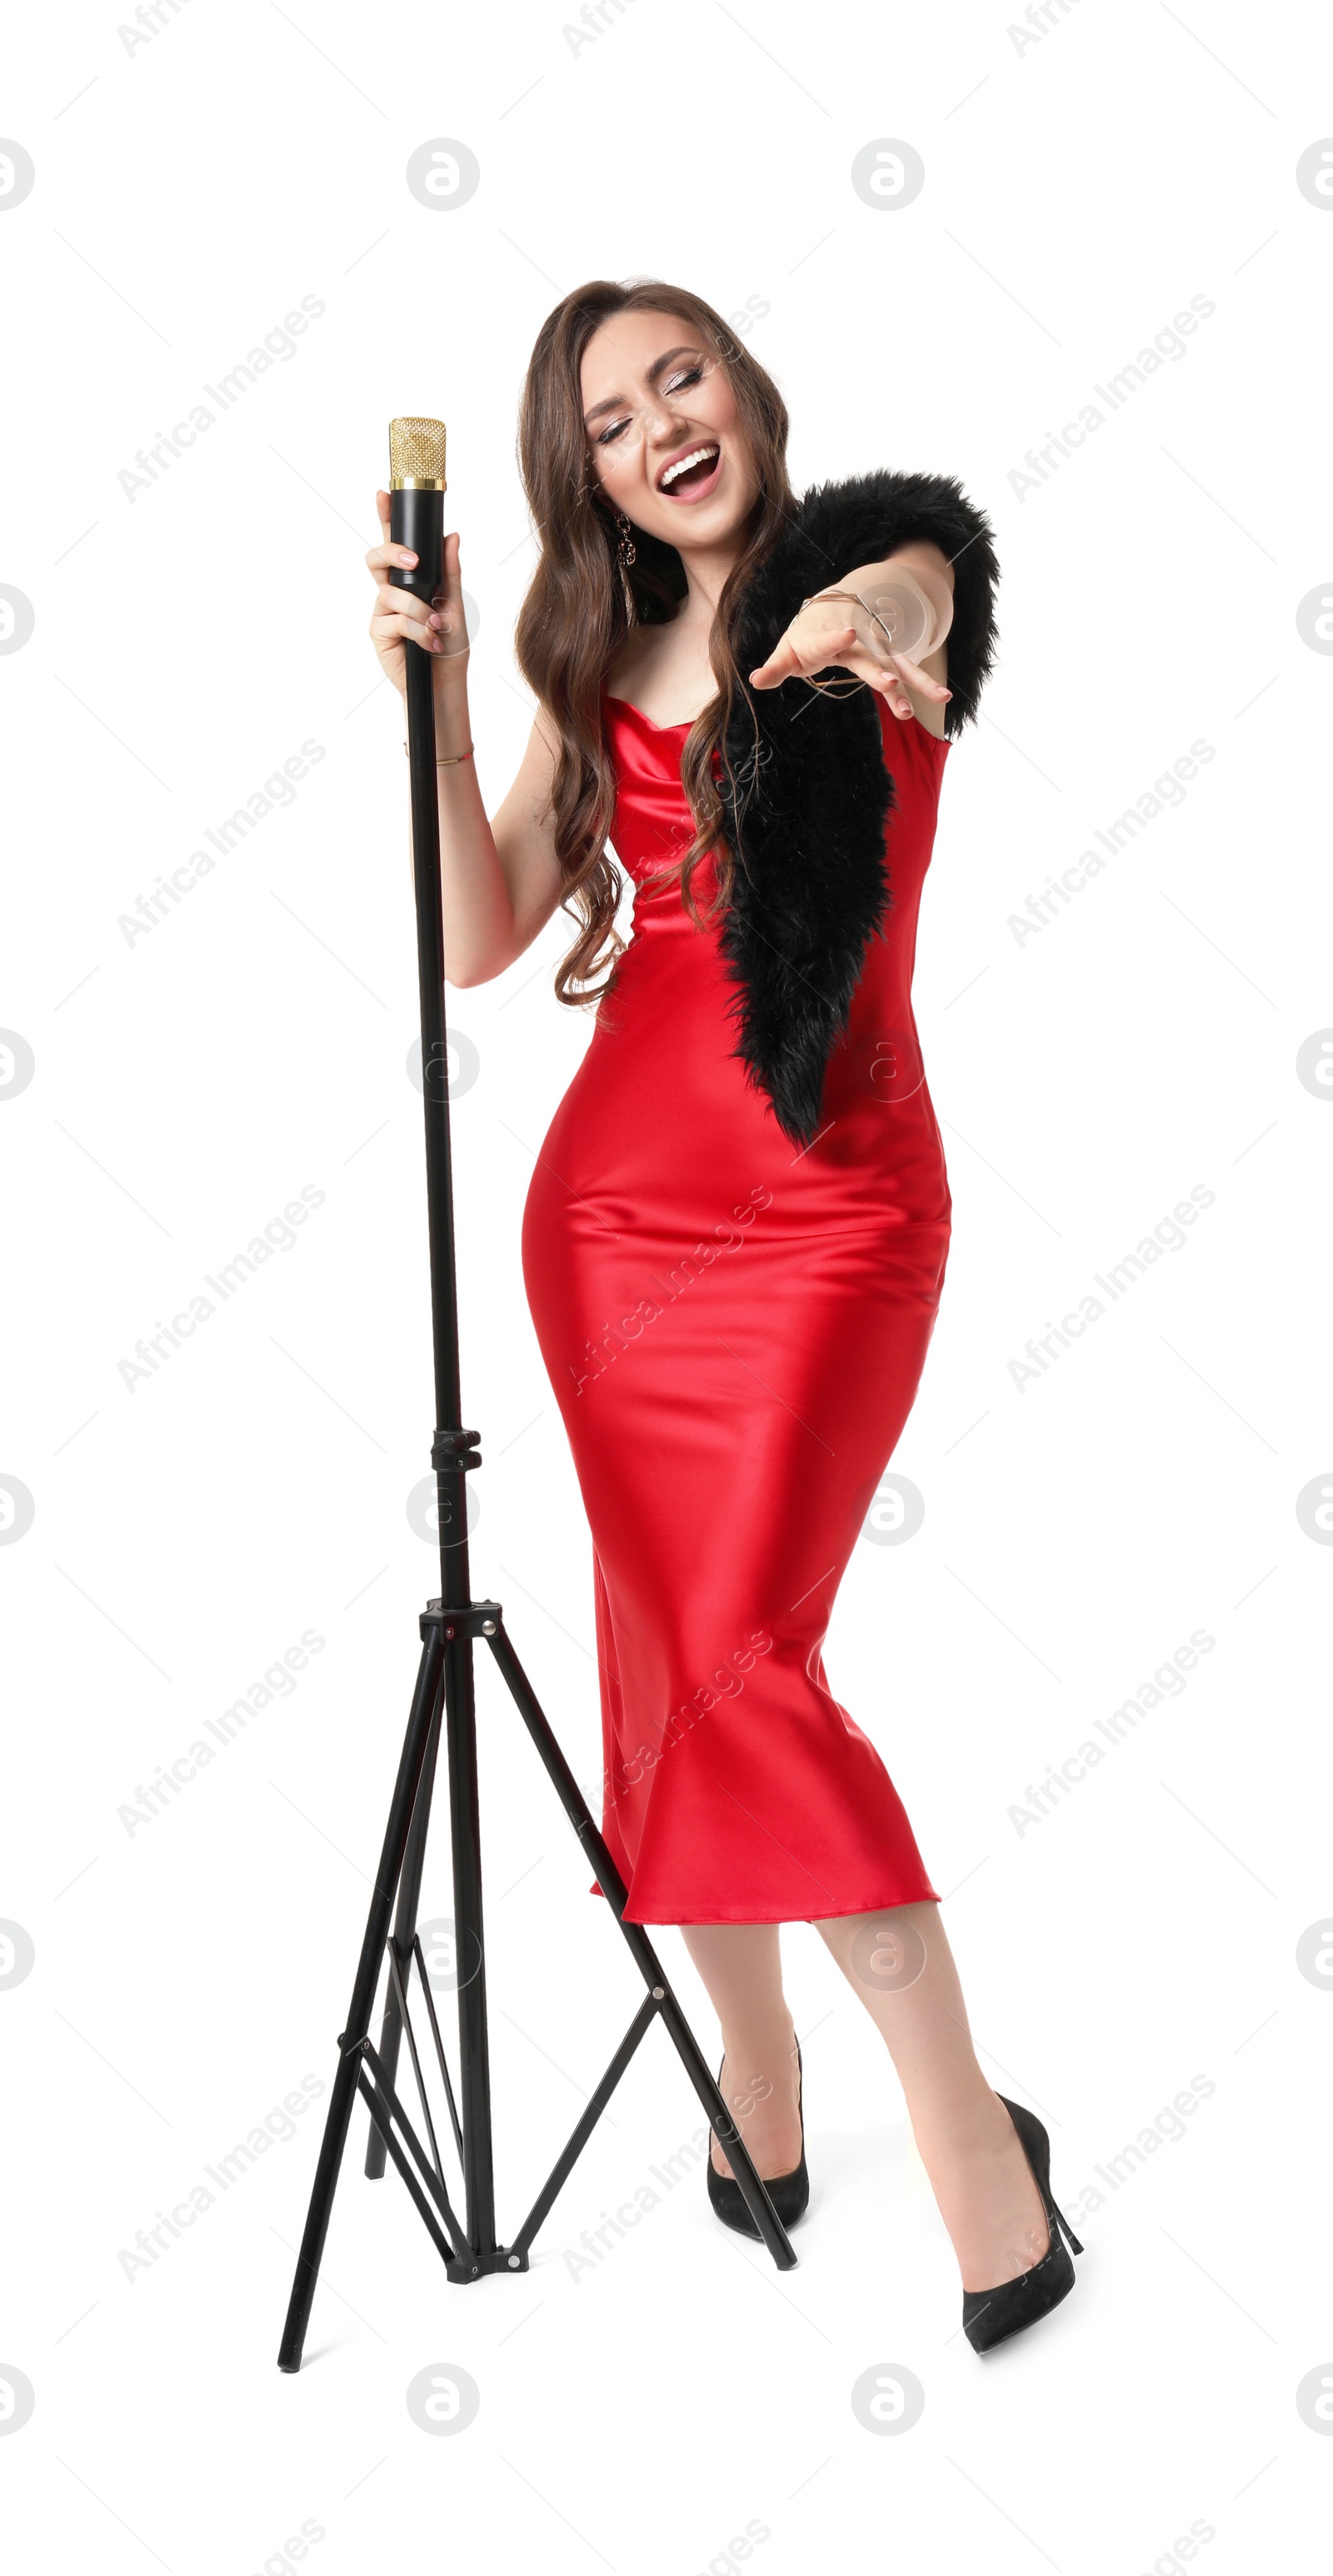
pixel 400 617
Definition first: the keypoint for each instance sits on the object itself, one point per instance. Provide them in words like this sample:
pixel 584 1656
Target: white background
pixel 1081 186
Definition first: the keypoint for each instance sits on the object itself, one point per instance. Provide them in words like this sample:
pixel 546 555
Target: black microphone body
pixel 416 520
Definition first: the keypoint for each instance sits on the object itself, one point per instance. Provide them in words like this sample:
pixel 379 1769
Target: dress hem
pixel 925 1895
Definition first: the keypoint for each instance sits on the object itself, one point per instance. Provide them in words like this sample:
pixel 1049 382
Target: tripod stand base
pixel 468 2248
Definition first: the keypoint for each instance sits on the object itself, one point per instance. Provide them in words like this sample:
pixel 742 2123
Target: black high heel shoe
pixel 789 2192
pixel 992 2316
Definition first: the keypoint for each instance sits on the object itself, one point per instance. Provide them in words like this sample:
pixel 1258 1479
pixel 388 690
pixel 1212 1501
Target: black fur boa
pixel 805 789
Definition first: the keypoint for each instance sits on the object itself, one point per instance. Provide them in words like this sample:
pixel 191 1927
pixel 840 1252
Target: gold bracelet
pixel 451 759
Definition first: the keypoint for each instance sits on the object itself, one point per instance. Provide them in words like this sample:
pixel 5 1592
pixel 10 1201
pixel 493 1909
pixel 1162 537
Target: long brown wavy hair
pixel 574 618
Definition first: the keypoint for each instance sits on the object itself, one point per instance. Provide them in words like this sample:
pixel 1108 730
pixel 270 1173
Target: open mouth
pixel 688 477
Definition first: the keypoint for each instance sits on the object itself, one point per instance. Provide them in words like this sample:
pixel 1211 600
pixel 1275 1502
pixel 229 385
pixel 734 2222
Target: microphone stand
pixel 443 1696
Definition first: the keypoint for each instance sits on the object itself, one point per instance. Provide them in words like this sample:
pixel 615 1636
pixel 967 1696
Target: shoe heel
pixel 1070 2238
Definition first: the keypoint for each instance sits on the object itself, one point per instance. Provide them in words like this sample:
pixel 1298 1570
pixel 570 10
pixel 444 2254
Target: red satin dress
pixel 734 1329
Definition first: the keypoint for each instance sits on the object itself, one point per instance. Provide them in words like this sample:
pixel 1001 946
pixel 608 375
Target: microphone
pixel 416 503
pixel 416 521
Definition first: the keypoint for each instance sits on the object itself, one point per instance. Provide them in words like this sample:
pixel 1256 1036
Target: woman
pixel 737 1229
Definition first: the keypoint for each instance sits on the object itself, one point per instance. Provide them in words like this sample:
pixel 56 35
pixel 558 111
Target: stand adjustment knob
pixel 455 1449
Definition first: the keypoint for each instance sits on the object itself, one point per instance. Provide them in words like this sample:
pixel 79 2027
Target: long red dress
pixel 734 1329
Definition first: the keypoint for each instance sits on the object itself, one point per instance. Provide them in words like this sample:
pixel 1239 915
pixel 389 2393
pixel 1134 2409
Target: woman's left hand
pixel 820 635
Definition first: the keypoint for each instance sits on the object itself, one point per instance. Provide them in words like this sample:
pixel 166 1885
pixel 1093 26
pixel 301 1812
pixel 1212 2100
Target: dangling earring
pixel 626 554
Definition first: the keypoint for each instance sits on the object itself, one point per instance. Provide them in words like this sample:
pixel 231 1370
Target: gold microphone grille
pixel 416 453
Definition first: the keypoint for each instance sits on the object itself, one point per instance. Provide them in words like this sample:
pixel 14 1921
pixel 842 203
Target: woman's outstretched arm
pixel 837 633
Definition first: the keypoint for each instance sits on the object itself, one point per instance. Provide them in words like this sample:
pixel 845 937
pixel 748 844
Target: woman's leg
pixel 741 1965
pixel 900 1964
